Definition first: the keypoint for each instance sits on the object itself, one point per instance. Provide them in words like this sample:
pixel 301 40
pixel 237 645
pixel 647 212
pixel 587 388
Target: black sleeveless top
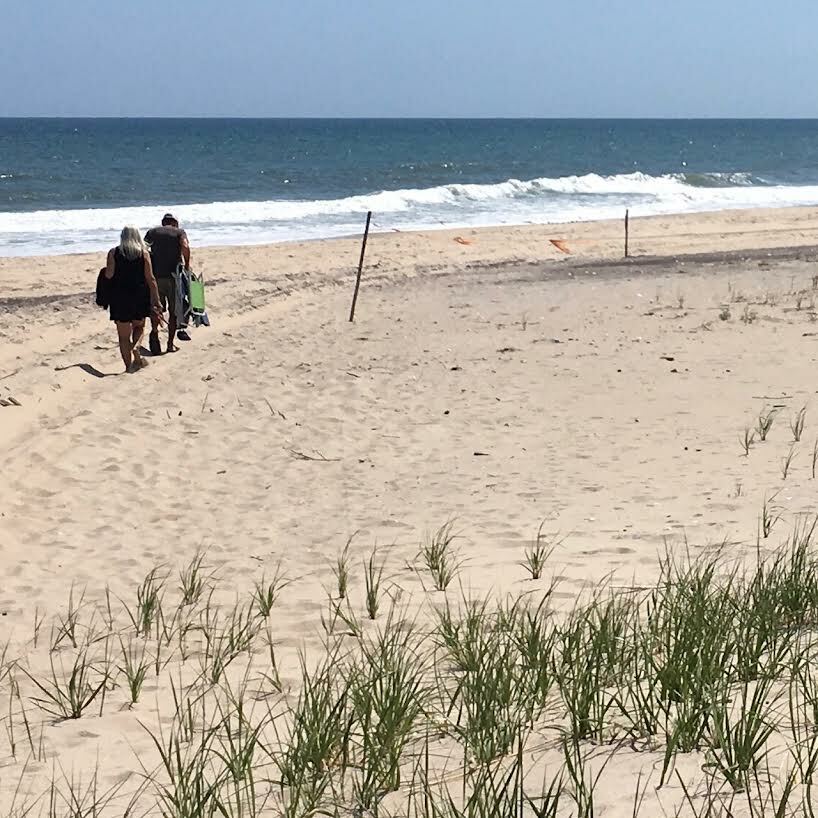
pixel 129 297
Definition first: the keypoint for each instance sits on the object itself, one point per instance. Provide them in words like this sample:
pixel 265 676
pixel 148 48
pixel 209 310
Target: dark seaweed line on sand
pixel 561 269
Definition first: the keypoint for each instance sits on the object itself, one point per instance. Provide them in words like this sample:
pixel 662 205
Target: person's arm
pixel 185 249
pixel 109 264
pixel 151 282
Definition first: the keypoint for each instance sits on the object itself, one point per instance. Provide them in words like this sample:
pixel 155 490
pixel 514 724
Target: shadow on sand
pixel 88 369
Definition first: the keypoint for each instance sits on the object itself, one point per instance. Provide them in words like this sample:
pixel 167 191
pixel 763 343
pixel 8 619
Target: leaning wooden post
pixel 360 267
pixel 627 213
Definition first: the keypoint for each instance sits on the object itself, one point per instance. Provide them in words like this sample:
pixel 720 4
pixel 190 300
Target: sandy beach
pixel 489 379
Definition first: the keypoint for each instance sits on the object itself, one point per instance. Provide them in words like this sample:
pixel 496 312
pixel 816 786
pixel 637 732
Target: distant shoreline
pixel 757 222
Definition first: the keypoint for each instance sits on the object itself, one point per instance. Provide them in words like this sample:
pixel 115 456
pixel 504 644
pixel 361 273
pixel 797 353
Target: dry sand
pixel 499 383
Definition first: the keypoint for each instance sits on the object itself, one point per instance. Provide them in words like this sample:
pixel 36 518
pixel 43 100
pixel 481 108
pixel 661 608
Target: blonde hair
pixel 131 244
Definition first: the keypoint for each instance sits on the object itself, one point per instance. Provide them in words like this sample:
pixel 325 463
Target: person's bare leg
pixel 137 333
pixel 123 330
pixel 171 332
pixel 153 340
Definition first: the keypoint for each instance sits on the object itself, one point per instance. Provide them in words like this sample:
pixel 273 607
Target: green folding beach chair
pixel 197 295
pixel 196 299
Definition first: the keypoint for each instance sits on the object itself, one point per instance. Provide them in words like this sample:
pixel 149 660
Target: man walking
pixel 169 246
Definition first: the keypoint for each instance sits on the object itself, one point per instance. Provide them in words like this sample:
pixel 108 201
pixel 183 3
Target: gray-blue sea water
pixel 69 185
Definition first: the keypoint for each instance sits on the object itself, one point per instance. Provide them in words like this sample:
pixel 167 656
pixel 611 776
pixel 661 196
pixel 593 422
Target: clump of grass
pixel 440 558
pixel 387 692
pixel 791 575
pixel 187 786
pixel 135 666
pixel 267 593
pixel 340 611
pixel 341 570
pixel 803 713
pixel 491 699
pixel 148 609
pixel 675 655
pixel 814 457
pixel 747 440
pixel 67 625
pixel 797 424
pixel 738 740
pixel 68 696
pixel 537 554
pixel 373 579
pixel 226 638
pixel 766 418
pixel 319 737
pixel 592 656
pixel 770 515
pixel 535 637
pixel 460 633
pixel 237 744
pixel 786 462
pixel 192 580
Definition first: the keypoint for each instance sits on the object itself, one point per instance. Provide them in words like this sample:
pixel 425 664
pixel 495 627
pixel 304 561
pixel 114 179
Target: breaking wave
pixel 514 201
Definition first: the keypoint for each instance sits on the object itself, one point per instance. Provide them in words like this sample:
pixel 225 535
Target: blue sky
pixel 534 58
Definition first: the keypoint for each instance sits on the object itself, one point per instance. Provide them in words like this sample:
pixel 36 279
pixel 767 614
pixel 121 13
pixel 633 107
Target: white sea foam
pixel 571 198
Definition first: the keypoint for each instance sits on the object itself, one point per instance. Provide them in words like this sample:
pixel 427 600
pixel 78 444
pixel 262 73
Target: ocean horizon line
pixel 451 118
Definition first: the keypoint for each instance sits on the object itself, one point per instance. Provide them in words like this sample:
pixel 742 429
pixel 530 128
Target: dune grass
pixel 765 421
pixel 797 424
pixel 537 554
pixel 715 662
pixel 340 570
pixel 441 560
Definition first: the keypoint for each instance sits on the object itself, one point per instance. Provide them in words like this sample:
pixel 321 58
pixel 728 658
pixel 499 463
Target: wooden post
pixel 360 267
pixel 626 232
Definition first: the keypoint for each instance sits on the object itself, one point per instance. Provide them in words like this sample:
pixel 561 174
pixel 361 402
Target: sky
pixel 362 58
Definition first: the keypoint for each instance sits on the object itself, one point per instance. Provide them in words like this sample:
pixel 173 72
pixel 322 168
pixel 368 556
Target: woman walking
pixel 132 294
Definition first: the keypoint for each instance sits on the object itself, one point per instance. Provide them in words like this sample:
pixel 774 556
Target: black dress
pixel 129 298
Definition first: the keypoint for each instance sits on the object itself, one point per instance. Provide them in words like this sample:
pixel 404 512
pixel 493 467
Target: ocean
pixel 69 185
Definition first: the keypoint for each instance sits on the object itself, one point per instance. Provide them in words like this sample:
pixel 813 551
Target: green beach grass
pixel 462 706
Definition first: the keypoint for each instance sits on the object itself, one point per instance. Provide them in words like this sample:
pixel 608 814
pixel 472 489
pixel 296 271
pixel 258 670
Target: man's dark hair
pixel 168 220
